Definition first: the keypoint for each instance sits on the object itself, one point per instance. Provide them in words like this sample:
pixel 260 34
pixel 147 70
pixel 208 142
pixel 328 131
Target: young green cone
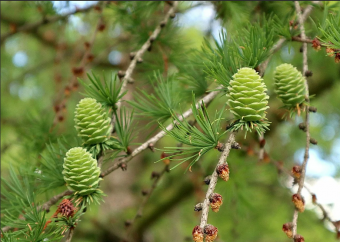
pixel 289 85
pixel 92 122
pixel 81 172
pixel 247 96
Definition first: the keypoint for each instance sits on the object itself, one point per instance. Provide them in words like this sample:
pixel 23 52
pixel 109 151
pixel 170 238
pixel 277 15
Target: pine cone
pixel 92 122
pixel 81 172
pixel 289 85
pixel 247 96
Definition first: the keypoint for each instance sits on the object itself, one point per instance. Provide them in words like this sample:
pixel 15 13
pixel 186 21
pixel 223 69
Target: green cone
pixel 247 96
pixel 289 85
pixel 81 172
pixel 92 122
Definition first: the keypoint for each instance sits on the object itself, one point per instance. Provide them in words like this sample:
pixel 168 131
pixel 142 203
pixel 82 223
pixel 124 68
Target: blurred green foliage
pixel 38 64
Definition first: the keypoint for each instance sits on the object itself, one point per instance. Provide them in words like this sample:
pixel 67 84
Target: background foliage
pixel 38 65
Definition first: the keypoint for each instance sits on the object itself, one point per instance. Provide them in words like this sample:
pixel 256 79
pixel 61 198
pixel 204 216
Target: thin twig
pixel 145 200
pixel 138 55
pixel 207 99
pixel 33 26
pixel 306 156
pixel 213 180
pixel 280 42
pixel 70 235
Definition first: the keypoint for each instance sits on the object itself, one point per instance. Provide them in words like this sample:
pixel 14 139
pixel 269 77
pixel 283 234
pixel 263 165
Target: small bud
pixel 101 27
pixel 223 171
pixel 316 44
pixel 296 171
pixel 262 143
pixel 198 207
pixel 301 49
pixel 169 2
pixel 312 109
pixel 337 57
pixel 173 15
pixel 61 118
pixel 130 80
pixel 314 200
pixel 154 174
pixel 78 71
pixel 123 166
pixel 303 127
pixel 207 180
pixel 152 147
pixel 98 8
pixel 235 146
pixel 313 141
pixel 215 201
pixel 127 223
pixel 330 52
pixel 145 192
pixel 266 157
pixel 75 86
pixel 308 73
pixel 299 238
pixel 299 202
pixel 197 234
pixel 132 55
pixel 152 39
pixel 139 60
pixel 56 108
pixel 128 150
pixel 165 161
pixel 87 45
pixel 150 48
pixel 211 233
pixel 219 147
pixel 287 228
pixel 90 57
pixel 121 74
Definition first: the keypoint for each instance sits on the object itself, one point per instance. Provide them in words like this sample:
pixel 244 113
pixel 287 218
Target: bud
pixel 78 71
pixel 145 192
pixel 262 143
pixel 313 141
pixel 235 146
pixel 197 234
pixel 165 161
pixel 330 52
pixel 198 207
pixel 314 200
pixel 296 171
pixel 121 74
pixel 316 44
pixel 211 233
pixel 154 174
pixel 223 171
pixel 308 73
pixel 207 180
pixel 337 57
pixel 162 24
pixel 287 228
pixel 299 202
pixel 219 147
pixel 303 127
pixel 312 109
pixel 215 201
pixel 299 238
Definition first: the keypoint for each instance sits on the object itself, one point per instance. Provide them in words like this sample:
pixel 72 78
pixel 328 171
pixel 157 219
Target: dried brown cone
pixel 66 208
pixel 299 238
pixel 197 234
pixel 210 232
pixel 215 201
pixel 287 228
pixel 296 171
pixel 223 171
pixel 299 202
pixel 330 52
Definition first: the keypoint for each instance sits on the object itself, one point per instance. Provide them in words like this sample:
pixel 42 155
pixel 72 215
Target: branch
pixel 213 181
pixel 145 200
pixel 280 42
pixel 46 206
pixel 207 99
pixel 44 21
pixel 70 235
pixel 306 156
pixel 138 55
